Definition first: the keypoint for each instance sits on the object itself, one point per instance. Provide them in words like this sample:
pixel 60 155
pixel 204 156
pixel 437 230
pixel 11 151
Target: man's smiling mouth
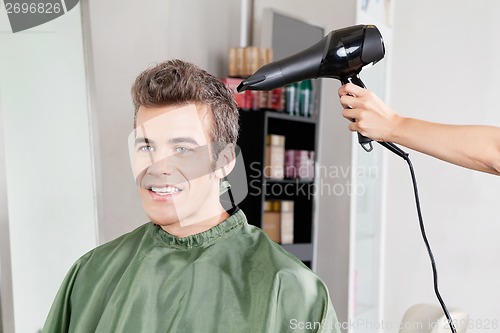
pixel 165 190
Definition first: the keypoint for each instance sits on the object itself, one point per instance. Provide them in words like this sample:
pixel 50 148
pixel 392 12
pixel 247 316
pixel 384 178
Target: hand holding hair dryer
pixel 341 55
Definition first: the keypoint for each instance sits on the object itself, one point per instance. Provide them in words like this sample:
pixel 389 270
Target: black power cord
pixel 396 150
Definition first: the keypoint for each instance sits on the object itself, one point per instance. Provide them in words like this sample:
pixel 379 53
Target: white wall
pixel 48 165
pixel 203 31
pixel 6 298
pixel 122 38
pixel 445 68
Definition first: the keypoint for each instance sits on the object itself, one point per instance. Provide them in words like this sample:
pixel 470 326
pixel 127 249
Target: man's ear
pixel 226 161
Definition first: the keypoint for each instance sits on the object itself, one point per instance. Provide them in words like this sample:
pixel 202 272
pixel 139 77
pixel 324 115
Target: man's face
pixel 171 161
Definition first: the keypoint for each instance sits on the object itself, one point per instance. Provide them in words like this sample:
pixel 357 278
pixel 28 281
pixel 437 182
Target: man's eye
pixel 146 149
pixel 182 150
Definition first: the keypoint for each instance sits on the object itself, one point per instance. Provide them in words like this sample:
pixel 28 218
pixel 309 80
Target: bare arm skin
pixel 472 146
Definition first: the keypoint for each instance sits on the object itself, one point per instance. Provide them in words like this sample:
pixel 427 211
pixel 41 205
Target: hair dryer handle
pixel 365 142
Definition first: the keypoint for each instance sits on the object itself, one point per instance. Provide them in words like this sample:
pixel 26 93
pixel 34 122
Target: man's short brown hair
pixel 176 82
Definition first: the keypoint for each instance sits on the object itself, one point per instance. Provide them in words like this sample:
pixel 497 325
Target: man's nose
pixel 165 166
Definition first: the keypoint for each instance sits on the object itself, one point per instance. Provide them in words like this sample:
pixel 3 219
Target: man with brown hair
pixel 196 267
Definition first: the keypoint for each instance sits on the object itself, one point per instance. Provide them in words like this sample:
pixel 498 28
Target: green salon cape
pixel 230 278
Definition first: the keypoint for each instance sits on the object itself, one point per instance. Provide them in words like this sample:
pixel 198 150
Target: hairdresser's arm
pixel 470 146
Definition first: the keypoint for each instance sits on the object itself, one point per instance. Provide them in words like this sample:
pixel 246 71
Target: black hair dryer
pixel 341 55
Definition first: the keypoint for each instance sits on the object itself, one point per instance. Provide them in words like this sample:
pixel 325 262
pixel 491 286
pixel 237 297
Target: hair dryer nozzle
pixel 254 79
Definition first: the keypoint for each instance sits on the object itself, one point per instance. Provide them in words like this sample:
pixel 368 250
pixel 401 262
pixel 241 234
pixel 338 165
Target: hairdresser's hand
pixel 368 113
pixel 471 146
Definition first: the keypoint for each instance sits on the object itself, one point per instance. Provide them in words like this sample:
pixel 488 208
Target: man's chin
pixel 167 222
pixel 163 222
pixel 163 219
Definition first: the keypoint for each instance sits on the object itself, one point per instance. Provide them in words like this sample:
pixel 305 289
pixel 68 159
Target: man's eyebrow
pixel 183 139
pixel 143 140
pixel 180 139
